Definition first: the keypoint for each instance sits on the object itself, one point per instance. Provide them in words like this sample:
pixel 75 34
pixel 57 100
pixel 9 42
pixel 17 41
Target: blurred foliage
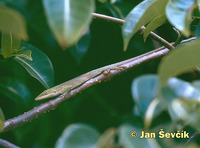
pixel 103 115
pixel 68 19
pixel 157 22
pixel 179 13
pixel 140 15
pixel 2 118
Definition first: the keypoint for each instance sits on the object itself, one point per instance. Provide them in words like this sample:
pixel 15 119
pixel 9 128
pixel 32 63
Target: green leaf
pixel 179 14
pixel 187 111
pixel 183 58
pixel 25 54
pixel 198 1
pixel 177 88
pixel 2 119
pixel 40 67
pixel 78 136
pixel 14 89
pixel 144 91
pixel 68 19
pixel 141 15
pixel 157 22
pixel 9 43
pixel 107 139
pixel 12 21
pixel 115 11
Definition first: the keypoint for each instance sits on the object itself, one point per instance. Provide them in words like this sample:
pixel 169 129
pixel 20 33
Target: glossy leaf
pixel 13 21
pixel 157 22
pixel 9 43
pixel 115 11
pixel 107 139
pixel 40 67
pixel 151 111
pixel 78 136
pixel 198 1
pixel 25 54
pixel 179 14
pixel 187 111
pixel 141 15
pixel 144 90
pixel 68 19
pixel 14 89
pixel 176 88
pixel 2 119
pixel 180 60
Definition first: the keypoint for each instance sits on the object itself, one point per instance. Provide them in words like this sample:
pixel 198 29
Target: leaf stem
pixel 109 18
pixel 152 34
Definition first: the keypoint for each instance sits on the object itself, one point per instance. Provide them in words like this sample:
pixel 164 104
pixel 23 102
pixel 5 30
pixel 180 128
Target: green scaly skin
pixel 71 84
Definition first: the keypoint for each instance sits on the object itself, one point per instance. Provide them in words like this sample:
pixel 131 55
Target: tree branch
pixel 52 104
pixel 152 34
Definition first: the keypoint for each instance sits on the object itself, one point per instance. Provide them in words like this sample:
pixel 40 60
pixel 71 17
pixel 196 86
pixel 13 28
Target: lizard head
pixel 47 94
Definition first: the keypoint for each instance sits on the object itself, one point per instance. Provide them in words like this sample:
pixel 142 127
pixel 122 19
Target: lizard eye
pixel 46 93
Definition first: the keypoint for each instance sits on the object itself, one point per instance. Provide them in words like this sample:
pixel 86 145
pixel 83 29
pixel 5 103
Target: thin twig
pixel 6 144
pixel 52 104
pixel 152 34
pixel 194 135
pixel 109 18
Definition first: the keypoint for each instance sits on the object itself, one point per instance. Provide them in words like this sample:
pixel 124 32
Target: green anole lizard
pixel 67 86
pixel 73 83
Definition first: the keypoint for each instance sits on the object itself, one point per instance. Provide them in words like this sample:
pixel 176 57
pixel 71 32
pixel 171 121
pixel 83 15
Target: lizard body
pixel 73 83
